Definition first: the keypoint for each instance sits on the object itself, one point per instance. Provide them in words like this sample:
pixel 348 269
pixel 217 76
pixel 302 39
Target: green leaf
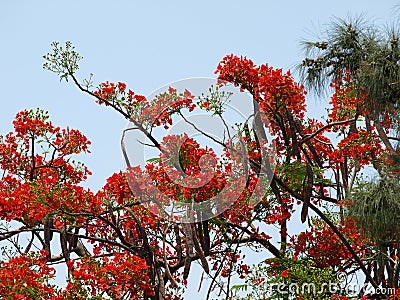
pixel 154 159
pixel 239 287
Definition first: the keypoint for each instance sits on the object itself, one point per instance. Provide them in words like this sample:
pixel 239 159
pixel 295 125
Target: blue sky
pixel 147 44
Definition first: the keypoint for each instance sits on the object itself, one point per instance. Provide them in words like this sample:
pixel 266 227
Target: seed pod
pixel 307 191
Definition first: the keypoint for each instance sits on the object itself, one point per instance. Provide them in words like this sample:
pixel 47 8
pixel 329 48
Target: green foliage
pixel 62 61
pixel 376 207
pixel 215 101
pixel 297 173
pixel 286 278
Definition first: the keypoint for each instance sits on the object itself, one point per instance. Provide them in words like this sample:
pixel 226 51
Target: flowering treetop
pixel 116 247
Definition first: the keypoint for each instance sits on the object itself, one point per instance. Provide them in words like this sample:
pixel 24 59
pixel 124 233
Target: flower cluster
pixel 358 146
pixel 147 112
pixel 324 248
pixel 25 277
pixel 117 275
pixel 346 101
pixel 274 91
pixel 200 177
pixel 39 175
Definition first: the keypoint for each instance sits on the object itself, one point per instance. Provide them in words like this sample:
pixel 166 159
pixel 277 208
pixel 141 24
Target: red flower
pixel 285 273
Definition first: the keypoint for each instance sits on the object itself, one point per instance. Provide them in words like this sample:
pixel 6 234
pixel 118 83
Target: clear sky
pixel 147 44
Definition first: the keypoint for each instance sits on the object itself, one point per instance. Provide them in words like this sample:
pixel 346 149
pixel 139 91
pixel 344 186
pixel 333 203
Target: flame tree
pixel 116 247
